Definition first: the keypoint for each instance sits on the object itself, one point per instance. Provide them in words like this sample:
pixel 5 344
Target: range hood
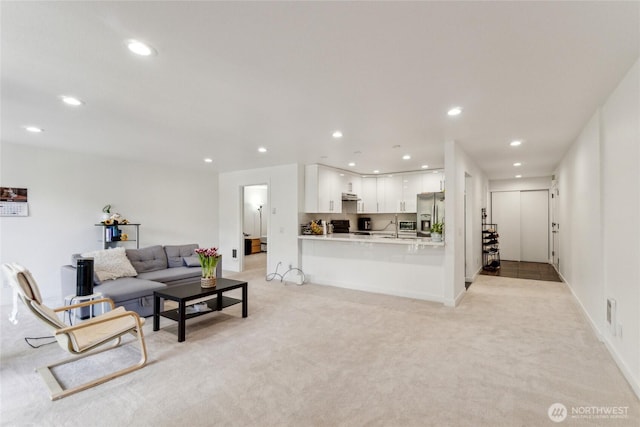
pixel 349 197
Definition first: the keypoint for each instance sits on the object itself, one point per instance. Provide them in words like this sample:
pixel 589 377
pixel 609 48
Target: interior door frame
pixel 555 226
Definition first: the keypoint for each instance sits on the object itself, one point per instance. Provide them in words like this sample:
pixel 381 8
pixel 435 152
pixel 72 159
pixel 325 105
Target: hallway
pixel 525 270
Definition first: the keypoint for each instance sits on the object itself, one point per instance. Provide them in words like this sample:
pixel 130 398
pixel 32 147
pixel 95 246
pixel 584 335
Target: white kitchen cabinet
pixel 323 189
pixel 388 193
pixel 432 182
pixel 411 185
pixel 398 193
pixel 368 196
pixel 324 186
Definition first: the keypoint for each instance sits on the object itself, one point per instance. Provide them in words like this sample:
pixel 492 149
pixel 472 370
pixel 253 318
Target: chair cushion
pixel 47 315
pixel 27 284
pixel 111 264
pixel 148 259
pixel 94 331
pixel 176 253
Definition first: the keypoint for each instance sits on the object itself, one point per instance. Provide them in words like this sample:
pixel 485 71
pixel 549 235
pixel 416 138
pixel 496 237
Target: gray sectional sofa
pixel 157 267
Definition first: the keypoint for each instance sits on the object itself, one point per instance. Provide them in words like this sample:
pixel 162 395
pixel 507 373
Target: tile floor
pixel 525 270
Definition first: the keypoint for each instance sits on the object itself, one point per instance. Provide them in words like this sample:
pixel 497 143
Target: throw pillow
pixel 111 264
pixel 192 261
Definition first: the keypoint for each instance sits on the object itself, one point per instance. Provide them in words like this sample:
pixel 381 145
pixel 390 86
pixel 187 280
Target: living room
pixel 71 177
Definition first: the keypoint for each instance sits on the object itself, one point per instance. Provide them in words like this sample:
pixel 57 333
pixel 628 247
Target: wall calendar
pixel 13 202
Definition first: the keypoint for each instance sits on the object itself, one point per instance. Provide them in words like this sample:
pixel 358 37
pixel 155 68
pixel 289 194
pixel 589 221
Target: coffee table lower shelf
pixel 174 314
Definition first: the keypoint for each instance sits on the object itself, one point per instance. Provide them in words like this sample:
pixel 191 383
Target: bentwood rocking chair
pixel 83 339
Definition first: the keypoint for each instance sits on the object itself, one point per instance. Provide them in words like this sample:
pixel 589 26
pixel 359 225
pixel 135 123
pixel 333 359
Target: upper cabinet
pixel 411 185
pixel 398 193
pixel 432 182
pixel 395 193
pixel 324 187
pixel 368 195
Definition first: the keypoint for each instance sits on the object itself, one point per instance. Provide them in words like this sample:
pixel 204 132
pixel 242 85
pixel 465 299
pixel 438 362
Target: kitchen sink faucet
pixel 396 223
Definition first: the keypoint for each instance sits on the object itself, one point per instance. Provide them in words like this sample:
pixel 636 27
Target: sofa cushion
pixel 127 288
pixel 111 264
pixel 148 259
pixel 176 253
pixel 192 261
pixel 171 274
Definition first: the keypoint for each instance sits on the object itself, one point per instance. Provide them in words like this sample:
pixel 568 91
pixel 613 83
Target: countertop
pixel 375 238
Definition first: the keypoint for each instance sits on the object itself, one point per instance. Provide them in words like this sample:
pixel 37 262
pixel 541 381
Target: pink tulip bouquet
pixel 209 258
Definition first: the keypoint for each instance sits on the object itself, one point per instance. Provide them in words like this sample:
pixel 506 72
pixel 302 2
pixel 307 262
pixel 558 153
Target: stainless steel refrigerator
pixel 430 211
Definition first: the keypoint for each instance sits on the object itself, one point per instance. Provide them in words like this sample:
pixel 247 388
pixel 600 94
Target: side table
pixel 85 312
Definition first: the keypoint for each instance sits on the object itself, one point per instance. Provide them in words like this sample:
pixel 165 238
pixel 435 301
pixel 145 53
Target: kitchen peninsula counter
pixel 374 238
pixel 407 267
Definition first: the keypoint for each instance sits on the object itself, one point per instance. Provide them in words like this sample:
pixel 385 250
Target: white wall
pixel 520 184
pixel 67 192
pixel 458 165
pixel 284 186
pixel 599 203
pixel 620 180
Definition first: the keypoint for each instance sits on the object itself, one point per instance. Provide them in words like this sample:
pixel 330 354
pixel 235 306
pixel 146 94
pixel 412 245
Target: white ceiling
pixel 232 76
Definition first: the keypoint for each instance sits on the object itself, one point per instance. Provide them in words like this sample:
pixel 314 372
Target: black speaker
pixel 84 276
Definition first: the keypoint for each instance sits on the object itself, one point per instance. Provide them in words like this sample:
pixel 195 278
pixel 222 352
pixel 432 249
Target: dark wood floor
pixel 525 270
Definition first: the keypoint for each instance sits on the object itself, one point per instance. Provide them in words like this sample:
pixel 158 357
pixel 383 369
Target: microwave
pixel 407 226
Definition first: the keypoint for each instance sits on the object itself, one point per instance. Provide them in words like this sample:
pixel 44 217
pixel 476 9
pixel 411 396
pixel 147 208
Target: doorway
pixel 255 228
pixel 470 267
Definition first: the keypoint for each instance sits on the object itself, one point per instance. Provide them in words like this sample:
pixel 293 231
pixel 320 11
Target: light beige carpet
pixel 322 356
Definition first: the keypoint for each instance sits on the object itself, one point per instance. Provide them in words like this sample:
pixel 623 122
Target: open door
pixel 255 228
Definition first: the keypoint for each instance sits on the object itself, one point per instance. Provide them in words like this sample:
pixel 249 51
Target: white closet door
pixel 534 226
pixel 505 211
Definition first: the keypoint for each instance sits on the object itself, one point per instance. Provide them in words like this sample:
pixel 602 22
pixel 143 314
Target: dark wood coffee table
pixel 182 294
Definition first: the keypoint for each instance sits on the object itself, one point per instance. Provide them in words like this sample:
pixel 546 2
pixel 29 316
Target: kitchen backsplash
pixel 379 221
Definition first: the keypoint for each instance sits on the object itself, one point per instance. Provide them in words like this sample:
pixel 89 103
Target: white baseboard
pixel 626 372
pixel 454 302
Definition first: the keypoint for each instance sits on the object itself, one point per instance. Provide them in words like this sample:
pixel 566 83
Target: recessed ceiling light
pixel 406 157
pixel 425 166
pixel 262 150
pixel 516 164
pixel 352 164
pixel 208 160
pixel 140 48
pixel 33 129
pixel 515 143
pixel 518 176
pixel 71 100
pixel 436 171
pixel 341 174
pixel 454 111
pixel 337 134
pixel 376 171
